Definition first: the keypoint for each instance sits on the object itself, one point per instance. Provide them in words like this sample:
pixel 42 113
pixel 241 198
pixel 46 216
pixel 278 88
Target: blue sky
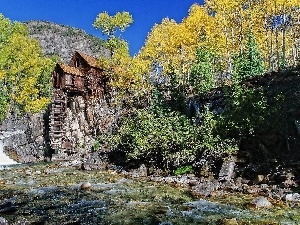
pixel 82 13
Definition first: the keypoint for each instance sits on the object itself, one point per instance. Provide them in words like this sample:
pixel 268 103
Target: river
pixel 50 193
pixel 4 159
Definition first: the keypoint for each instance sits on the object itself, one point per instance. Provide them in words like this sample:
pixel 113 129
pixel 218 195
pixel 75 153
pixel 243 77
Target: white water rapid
pixel 4 159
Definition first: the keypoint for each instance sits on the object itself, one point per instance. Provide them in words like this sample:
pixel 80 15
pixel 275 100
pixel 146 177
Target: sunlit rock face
pixel 61 40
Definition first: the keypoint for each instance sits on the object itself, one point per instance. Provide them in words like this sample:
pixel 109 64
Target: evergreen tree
pixel 202 74
pixel 250 62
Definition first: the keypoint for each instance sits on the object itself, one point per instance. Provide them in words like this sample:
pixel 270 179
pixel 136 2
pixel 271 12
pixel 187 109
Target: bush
pixel 246 114
pixel 166 139
pixel 183 170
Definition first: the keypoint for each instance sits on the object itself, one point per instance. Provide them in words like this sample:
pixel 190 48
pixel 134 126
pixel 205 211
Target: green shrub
pixel 183 170
pixel 247 110
pixel 96 145
pixel 166 139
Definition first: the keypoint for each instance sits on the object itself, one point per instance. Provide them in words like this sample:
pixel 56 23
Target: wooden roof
pixel 70 70
pixel 89 59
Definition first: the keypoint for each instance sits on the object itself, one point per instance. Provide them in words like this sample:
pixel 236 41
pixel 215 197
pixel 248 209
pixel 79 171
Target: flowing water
pixel 4 159
pixel 49 193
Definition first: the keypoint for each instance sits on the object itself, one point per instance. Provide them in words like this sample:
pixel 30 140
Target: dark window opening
pixel 77 63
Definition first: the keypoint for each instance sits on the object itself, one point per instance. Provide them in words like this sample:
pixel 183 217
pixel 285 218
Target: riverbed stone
pixel 231 221
pixel 44 190
pixel 3 221
pixel 261 202
pixel 7 207
pixel 293 197
pixel 85 186
pixel 140 172
pixel 206 188
pixel 7 210
pixel 28 172
pixel 94 161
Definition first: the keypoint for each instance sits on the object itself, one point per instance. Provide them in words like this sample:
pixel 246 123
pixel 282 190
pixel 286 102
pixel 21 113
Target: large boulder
pixel 292 197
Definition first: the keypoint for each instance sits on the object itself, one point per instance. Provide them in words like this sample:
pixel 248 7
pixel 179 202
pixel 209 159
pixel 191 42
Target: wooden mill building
pixel 81 77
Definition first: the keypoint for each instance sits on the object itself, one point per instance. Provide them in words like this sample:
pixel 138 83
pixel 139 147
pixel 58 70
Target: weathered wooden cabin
pixel 68 79
pixel 81 77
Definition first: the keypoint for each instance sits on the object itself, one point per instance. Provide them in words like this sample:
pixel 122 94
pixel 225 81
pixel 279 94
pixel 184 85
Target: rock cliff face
pixel 26 137
pixel 282 141
pixel 83 123
pixel 64 40
pixel 23 137
pixel 272 156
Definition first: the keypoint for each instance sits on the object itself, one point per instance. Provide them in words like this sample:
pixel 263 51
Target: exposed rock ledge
pixel 23 138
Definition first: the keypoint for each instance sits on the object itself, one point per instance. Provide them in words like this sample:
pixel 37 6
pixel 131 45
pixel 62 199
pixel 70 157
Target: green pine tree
pixel 250 62
pixel 201 77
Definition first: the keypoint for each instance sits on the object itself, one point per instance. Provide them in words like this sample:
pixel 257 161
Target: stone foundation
pixel 26 137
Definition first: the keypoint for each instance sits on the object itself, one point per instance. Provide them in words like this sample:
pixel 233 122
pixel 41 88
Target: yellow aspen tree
pixel 159 47
pixel 126 73
pixel 22 67
pixel 223 26
pixel 225 12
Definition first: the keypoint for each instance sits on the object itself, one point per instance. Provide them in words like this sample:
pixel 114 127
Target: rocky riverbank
pixel 260 181
pixel 52 193
pixel 273 180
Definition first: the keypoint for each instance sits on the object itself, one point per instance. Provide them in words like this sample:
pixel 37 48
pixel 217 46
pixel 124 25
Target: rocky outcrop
pixel 292 197
pixel 24 137
pixel 227 171
pixel 63 40
pixel 261 202
pixel 271 157
pixel 82 124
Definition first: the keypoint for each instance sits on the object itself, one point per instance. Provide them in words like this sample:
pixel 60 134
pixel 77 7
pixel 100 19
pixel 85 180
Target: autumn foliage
pixel 223 27
pixel 127 74
pixel 24 72
pixel 220 43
